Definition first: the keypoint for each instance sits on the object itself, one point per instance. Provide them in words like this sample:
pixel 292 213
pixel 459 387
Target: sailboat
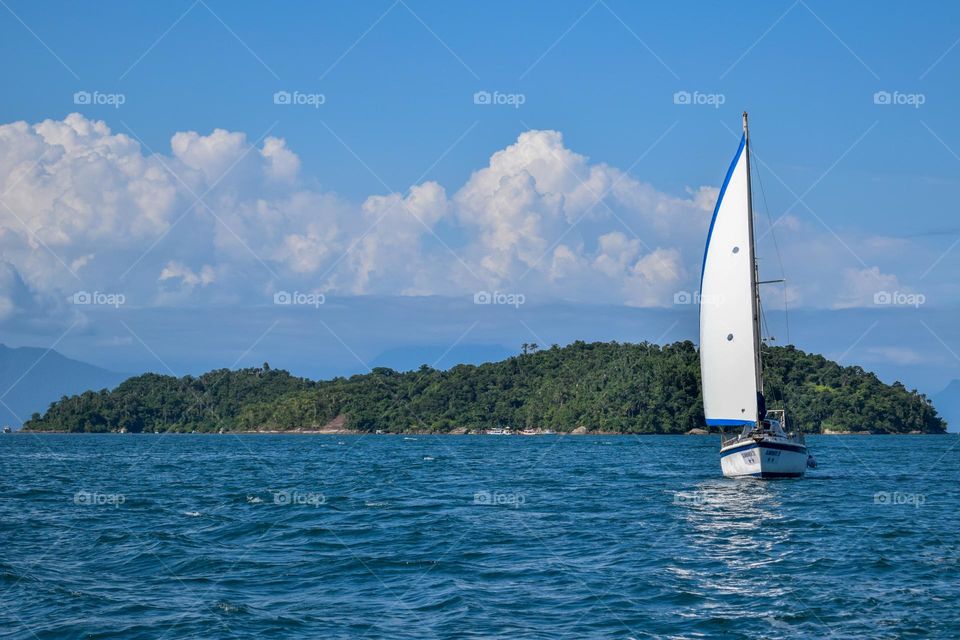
pixel 754 442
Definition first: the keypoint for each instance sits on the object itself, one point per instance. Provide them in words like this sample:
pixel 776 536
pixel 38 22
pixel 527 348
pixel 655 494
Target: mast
pixel 754 271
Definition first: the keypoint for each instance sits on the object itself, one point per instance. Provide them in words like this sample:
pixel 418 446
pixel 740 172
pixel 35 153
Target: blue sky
pixel 400 96
pixel 199 196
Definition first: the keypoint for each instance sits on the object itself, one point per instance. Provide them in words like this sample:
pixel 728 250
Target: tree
pixel 624 388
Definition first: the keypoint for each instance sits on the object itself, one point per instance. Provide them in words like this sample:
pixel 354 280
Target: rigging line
pixel 778 392
pixel 763 345
pixel 776 245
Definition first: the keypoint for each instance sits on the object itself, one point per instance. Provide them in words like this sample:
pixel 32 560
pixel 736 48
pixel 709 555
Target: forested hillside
pixel 609 387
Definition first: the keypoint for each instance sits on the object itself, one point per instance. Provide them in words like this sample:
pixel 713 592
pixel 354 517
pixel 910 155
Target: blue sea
pixel 275 536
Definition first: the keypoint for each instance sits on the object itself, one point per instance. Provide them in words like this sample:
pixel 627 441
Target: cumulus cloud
pixel 213 155
pixel 390 253
pixel 217 217
pixel 544 214
pixel 13 291
pixel 69 181
pixel 186 276
pixel 23 306
pixel 860 286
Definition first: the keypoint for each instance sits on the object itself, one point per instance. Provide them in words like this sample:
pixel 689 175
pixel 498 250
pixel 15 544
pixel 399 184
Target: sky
pixel 332 186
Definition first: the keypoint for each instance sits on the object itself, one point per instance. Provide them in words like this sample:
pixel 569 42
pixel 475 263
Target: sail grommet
pixel 736 249
pixel 729 337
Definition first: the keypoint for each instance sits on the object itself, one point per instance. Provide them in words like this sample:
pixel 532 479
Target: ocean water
pixel 265 536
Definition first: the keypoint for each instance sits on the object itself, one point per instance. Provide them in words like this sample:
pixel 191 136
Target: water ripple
pixel 470 537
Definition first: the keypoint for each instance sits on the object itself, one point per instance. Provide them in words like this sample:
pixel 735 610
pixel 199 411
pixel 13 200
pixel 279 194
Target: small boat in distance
pixel 7 429
pixel 499 431
pixel 730 356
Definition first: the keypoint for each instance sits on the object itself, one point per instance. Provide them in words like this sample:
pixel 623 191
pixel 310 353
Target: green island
pixel 583 387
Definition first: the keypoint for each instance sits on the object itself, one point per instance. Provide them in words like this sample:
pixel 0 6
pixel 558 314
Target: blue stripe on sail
pixel 719 422
pixel 713 220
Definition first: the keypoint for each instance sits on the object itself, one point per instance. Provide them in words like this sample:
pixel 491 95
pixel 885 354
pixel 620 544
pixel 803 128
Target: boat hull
pixel 764 459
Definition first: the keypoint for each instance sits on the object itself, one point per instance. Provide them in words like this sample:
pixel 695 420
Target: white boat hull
pixel 764 459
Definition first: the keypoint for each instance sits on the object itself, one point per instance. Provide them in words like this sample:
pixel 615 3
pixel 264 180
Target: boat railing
pixel 729 437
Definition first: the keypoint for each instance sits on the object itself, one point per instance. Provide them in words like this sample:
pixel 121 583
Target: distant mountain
pixel 948 404
pixel 32 378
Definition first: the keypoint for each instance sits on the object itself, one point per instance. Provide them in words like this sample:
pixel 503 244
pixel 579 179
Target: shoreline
pixel 341 432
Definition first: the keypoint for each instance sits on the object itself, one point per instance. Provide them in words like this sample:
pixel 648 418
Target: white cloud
pixel 616 252
pixel 282 164
pixel 390 252
pixel 861 285
pixel 178 271
pixel 213 155
pixel 887 243
pixel 90 209
pixel 538 207
pixel 896 355
pixel 652 280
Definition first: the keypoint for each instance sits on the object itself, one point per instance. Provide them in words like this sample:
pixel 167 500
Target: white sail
pixel 728 363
